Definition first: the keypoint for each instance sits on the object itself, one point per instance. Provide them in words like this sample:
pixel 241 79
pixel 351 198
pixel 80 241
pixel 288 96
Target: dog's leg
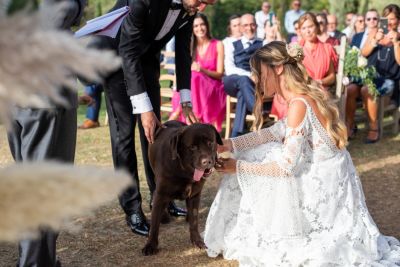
pixel 159 205
pixel 193 218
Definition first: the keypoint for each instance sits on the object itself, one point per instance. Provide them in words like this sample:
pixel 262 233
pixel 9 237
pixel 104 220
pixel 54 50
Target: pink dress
pixel 208 96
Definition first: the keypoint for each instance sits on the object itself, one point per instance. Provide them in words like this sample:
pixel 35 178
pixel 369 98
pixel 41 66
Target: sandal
pixel 353 133
pixel 371 141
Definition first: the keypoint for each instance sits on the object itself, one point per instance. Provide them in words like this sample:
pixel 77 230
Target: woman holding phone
pixel 383 52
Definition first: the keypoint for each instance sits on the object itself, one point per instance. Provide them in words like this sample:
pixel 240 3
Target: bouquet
pixel 356 70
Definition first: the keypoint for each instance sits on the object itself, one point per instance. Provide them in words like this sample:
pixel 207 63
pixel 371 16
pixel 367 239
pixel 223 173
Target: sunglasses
pixel 368 19
pixel 360 21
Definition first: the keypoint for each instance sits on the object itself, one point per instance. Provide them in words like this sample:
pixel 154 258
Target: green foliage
pixel 16 5
pixel 356 69
pixel 219 13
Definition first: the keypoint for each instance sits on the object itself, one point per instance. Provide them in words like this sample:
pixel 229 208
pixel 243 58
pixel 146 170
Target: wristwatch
pixel 186 104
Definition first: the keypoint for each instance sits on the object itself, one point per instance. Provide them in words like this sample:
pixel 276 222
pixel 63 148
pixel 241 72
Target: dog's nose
pixel 206 162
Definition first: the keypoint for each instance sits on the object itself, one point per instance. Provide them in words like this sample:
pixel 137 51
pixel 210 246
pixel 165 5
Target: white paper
pixel 108 23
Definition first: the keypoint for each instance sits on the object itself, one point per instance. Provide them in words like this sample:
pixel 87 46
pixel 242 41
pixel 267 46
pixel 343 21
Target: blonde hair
pixel 298 81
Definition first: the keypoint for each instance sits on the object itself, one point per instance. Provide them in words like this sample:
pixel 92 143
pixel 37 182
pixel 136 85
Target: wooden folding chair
pixel 230 115
pixel 340 92
pixel 167 83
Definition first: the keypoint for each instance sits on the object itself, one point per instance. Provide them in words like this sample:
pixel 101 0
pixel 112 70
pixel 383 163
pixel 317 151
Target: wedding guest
pixel 323 36
pixel 272 32
pixel 291 196
pixel 383 52
pixel 233 31
pixel 350 19
pixel 237 81
pixel 319 58
pixel 353 89
pixel 261 17
pixel 133 92
pixel 297 37
pixel 291 16
pixel 359 25
pixel 40 134
pixel 93 109
pixel 207 89
pixel 332 27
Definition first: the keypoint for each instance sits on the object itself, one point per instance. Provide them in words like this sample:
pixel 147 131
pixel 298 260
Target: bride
pixel 291 195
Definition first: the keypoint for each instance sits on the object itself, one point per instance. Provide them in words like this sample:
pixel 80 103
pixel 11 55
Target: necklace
pixel 386 54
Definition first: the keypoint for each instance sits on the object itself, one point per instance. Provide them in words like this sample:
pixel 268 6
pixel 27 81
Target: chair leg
pixel 381 114
pixel 228 117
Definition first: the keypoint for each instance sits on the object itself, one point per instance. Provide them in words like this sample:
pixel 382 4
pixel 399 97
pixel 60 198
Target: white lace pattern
pixel 296 200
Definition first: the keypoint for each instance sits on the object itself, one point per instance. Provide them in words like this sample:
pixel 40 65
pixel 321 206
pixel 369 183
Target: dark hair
pixel 323 16
pixel 208 34
pixel 228 27
pixel 391 8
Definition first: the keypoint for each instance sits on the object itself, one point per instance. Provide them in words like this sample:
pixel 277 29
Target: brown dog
pixel 181 157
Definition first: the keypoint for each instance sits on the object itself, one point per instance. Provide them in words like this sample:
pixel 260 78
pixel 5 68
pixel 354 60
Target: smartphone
pixel 383 24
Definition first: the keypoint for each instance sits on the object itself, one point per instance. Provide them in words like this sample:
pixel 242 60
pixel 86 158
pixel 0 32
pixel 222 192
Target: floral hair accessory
pixel 295 51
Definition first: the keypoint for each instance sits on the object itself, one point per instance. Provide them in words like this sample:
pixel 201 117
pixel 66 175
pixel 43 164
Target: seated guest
pixel 237 82
pixel 332 27
pixel 323 36
pixel 383 52
pixel 233 30
pixel 207 89
pixel 297 36
pixel 272 31
pixel 319 58
pixel 354 88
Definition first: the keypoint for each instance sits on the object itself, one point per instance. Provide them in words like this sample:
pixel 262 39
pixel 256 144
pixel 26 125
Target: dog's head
pixel 196 147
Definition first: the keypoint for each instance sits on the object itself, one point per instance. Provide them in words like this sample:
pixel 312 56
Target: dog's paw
pixel 149 249
pixel 198 242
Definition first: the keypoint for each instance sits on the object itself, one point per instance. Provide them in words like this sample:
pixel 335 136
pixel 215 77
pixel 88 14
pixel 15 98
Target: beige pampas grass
pixel 36 60
pixel 49 194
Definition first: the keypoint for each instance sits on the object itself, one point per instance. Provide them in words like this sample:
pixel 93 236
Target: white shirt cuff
pixel 185 95
pixel 141 103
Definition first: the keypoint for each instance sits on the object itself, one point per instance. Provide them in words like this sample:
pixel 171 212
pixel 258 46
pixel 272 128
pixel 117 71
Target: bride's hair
pixel 297 80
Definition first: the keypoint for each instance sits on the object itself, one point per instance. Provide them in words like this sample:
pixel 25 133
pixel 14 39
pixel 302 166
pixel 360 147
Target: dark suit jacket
pixel 338 35
pixel 136 43
pixel 357 38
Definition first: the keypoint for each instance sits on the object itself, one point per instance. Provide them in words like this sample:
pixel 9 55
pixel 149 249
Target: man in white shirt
pixel 291 16
pixel 261 17
pixel 237 82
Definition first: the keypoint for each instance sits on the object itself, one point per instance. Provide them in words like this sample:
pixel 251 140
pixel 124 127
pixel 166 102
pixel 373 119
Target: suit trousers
pixel 241 87
pixel 42 134
pixel 122 131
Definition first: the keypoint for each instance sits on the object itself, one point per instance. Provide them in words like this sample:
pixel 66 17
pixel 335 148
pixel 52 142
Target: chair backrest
pixel 340 92
pixel 167 82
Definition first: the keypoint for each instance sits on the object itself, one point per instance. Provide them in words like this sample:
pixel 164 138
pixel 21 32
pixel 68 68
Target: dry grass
pixel 105 240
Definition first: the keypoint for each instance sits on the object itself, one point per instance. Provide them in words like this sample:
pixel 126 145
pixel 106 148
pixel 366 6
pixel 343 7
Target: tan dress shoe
pixel 89 124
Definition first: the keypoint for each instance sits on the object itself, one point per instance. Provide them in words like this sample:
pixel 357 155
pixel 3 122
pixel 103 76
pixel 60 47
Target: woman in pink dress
pixel 207 90
pixel 320 58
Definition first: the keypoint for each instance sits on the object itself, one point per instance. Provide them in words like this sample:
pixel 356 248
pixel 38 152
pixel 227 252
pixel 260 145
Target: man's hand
pixel 188 113
pixel 149 122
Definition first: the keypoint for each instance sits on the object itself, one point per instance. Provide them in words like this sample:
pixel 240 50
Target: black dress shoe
pixel 138 224
pixel 174 210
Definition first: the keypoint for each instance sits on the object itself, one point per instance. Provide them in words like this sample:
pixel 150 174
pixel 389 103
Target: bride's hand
pixel 227 146
pixel 226 165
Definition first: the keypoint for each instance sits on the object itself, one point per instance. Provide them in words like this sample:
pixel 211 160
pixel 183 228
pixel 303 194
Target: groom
pixel 133 92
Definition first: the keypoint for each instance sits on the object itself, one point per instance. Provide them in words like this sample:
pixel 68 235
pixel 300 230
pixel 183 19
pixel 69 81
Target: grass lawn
pixel 105 240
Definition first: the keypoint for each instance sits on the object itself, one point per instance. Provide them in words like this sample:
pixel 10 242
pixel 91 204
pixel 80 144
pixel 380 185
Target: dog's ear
pixel 175 145
pixel 217 136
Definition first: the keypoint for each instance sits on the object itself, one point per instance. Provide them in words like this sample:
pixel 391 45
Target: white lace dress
pixel 297 202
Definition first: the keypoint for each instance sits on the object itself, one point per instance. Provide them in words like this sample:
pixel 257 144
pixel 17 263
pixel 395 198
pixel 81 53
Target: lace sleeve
pixel 275 133
pixel 286 165
pixel 260 183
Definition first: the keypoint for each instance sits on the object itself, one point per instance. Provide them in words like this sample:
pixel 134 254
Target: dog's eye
pixel 210 143
pixel 193 148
